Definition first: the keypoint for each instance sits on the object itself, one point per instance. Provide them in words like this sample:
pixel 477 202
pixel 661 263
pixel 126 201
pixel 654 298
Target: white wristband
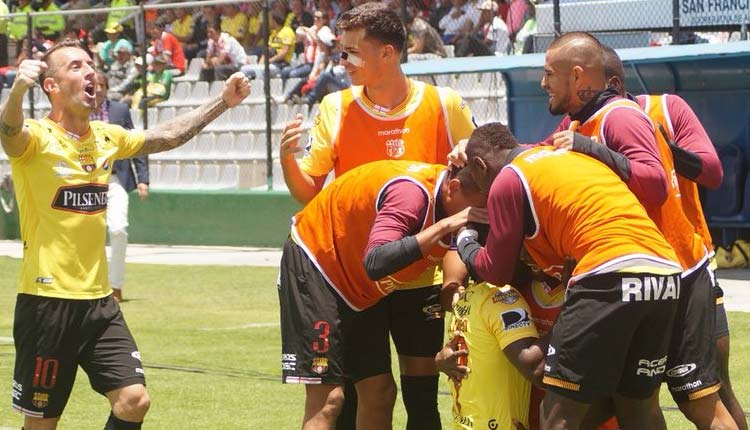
pixel 466 234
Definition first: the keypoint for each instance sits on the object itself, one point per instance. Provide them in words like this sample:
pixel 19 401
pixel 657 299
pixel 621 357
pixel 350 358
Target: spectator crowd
pixel 303 40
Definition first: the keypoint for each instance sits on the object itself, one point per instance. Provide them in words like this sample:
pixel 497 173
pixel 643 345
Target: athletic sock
pixel 114 423
pixel 420 399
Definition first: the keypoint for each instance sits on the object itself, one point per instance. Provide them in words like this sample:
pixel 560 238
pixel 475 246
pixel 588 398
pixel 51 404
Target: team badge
pixel 40 400
pixel 395 148
pixel 87 162
pixel 320 365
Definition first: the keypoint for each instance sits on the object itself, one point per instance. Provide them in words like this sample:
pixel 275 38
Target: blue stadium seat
pixel 724 204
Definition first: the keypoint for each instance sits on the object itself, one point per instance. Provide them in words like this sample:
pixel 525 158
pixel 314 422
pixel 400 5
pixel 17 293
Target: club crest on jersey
pixel 87 162
pixel 40 400
pixel 395 148
pixel 320 365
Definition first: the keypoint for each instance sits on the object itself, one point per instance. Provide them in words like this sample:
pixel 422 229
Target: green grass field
pixel 209 339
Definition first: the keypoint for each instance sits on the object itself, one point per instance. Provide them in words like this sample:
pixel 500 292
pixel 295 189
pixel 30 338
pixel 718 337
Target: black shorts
pixel 54 336
pixel 692 370
pixel 314 322
pixel 316 347
pixel 722 323
pixel 612 336
pixel 414 318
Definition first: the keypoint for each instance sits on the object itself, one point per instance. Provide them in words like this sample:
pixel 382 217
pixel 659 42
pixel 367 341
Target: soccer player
pixel 612 334
pixel 368 234
pixel 384 115
pixel 65 315
pixel 499 337
pixel 696 162
pixel 691 369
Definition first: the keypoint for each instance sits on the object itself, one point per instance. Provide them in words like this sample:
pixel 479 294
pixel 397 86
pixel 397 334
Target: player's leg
pixel 110 358
pixel 312 337
pixel 722 351
pixel 591 347
pixel 692 370
pixel 347 419
pixel 368 359
pixel 322 405
pixel 416 321
pixel 44 333
pixel 117 225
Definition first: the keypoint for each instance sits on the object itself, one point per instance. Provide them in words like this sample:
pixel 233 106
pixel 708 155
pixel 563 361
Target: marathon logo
pixel 83 199
pixel 688 386
pixel 650 288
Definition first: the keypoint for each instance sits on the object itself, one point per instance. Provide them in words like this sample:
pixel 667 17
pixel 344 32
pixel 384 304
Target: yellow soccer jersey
pixel 61 185
pixel 321 153
pixel 236 26
pixel 495 392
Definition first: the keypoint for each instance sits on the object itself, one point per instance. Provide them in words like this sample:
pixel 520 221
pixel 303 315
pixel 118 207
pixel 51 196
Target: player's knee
pixel 377 392
pixel 31 423
pixel 134 403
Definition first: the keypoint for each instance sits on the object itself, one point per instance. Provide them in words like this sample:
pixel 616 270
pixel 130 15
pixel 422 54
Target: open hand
pixel 457 156
pixel 290 137
pixel 446 360
pixel 563 139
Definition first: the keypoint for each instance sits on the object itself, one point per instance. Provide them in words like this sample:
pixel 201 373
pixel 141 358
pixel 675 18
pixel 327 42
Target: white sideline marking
pixel 240 327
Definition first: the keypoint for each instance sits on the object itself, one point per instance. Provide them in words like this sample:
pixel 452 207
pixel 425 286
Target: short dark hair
pixel 278 18
pixel 488 140
pixel 464 176
pixel 612 63
pixel 67 43
pixel 379 21
pixel 575 35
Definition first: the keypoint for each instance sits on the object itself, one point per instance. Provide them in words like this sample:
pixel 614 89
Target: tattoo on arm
pixel 9 130
pixel 171 134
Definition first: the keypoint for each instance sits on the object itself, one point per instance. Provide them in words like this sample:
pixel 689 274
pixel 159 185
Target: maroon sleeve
pixel 496 261
pixel 401 213
pixel 690 135
pixel 631 133
pixel 564 124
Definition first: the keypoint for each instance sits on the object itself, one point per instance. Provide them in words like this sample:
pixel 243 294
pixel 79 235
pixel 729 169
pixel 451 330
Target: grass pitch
pixel 209 338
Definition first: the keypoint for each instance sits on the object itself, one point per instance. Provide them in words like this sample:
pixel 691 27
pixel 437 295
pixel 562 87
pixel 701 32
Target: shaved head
pixel 573 72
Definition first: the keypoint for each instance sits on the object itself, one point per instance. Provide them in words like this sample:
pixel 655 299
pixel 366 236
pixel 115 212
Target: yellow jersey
pixel 61 183
pixel 236 25
pixel 285 37
pixel 495 392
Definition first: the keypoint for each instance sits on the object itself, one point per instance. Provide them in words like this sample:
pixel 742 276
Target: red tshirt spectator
pixel 165 43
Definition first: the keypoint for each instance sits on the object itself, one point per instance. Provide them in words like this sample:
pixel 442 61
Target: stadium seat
pixel 198 93
pixel 193 71
pixel 444 80
pixel 277 87
pixel 168 176
pixel 244 145
pixel 180 95
pixel 257 93
pixel 153 117
pixel 726 201
pixel 278 177
pixel 291 82
pixel 239 117
pixel 189 175
pixel 209 177
pixel 135 114
pixel 215 88
pixel 223 146
pixel 203 146
pixel 166 114
pixel 230 176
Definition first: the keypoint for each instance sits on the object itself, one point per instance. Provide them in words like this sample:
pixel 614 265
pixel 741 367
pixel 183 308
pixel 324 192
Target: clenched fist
pixel 28 73
pixel 236 88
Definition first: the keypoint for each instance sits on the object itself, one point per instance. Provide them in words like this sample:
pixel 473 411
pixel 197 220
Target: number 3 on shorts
pixel 321 345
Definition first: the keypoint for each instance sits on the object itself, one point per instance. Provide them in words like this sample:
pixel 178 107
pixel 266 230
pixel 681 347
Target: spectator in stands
pixel 224 55
pixel 330 8
pixel 281 45
pixel 164 43
pixel 122 77
pixel 492 38
pixel 158 84
pixel 51 26
pixel 107 50
pixel 440 9
pixel 300 18
pixel 331 80
pixel 3 34
pixel 424 41
pixel 518 14
pixel 253 43
pixel 524 41
pixel 196 45
pixel 458 22
pixel 183 26
pixel 309 36
pixel 233 21
pixel 17 27
pixel 118 15
pixel 127 175
pixel 325 40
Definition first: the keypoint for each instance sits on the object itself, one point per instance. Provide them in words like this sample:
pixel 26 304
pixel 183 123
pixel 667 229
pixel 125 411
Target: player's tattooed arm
pixel 171 134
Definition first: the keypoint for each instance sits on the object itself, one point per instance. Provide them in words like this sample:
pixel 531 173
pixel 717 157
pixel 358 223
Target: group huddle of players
pixel 588 286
